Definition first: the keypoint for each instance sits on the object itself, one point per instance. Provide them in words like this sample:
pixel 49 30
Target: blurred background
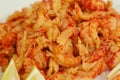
pixel 7 7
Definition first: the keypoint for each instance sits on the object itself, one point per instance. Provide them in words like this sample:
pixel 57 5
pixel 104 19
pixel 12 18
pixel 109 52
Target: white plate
pixel 7 7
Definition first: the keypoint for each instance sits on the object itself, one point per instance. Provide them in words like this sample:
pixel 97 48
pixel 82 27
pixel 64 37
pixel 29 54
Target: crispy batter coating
pixel 65 39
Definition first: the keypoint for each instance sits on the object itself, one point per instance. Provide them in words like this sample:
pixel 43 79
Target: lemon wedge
pixel 115 71
pixel 11 72
pixel 35 75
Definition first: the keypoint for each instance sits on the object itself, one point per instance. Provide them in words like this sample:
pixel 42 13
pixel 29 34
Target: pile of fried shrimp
pixel 64 39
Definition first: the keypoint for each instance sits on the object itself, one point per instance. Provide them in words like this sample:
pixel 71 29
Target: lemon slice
pixel 11 72
pixel 35 75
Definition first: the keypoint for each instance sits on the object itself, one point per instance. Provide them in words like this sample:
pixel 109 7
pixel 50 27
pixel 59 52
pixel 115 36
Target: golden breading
pixel 65 39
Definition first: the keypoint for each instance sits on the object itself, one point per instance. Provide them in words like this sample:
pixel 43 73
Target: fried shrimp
pixel 64 39
pixel 64 52
pixel 8 39
pixel 68 76
pixel 86 15
pixel 94 4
